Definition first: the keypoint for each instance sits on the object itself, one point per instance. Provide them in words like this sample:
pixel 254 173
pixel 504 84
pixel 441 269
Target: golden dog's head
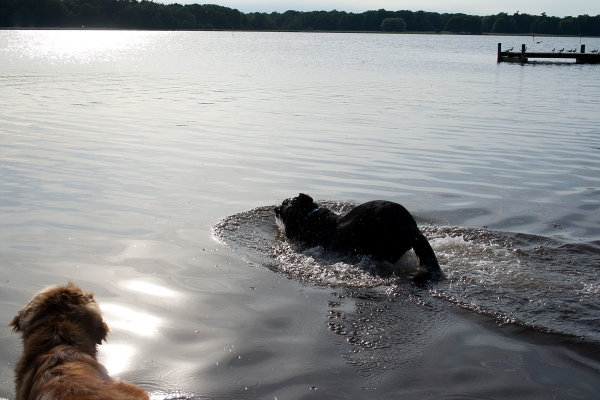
pixel 60 315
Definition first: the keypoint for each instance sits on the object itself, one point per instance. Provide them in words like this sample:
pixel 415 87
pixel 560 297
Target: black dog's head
pixel 294 213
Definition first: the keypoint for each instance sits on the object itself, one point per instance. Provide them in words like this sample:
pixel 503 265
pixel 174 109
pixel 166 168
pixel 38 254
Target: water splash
pixel 516 278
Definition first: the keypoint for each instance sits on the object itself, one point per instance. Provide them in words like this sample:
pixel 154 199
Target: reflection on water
pixel 115 357
pixel 150 289
pixel 122 150
pixel 136 322
pixel 139 249
pixel 79 47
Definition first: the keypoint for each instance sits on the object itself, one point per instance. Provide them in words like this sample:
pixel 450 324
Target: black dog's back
pixel 380 228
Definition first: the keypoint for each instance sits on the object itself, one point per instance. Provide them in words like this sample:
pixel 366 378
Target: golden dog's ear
pixel 15 323
pixel 101 332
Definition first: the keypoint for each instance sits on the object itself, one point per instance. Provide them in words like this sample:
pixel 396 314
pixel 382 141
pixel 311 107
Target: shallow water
pixel 124 154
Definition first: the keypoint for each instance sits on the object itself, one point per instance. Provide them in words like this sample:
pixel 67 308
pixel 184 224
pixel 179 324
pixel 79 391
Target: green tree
pixel 352 22
pixel 426 26
pixel 464 24
pixel 373 19
pixel 261 21
pixel 502 26
pixel 488 23
pixel 293 24
pixel 409 19
pixel 590 26
pixel 393 25
pixel 146 14
pixel 436 20
pixel 523 22
pixel 38 13
pixel 90 16
pixel 209 16
pixel 569 26
pixel 185 19
pixel 6 12
pixel 546 25
pixel 289 20
pixel 327 21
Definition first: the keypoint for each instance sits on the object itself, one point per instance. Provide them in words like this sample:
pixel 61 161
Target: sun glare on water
pixel 116 357
pixel 81 46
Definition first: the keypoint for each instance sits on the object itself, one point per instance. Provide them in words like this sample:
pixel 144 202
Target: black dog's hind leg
pixel 427 259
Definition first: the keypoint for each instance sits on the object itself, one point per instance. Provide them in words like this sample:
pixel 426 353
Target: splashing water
pixel 516 278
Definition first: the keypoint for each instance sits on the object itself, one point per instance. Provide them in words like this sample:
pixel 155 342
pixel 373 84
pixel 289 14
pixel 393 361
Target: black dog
pixel 379 228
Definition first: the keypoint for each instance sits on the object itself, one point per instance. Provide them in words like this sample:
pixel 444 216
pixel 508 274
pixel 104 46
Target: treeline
pixel 134 14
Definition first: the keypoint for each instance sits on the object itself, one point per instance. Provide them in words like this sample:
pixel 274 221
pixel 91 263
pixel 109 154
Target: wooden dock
pixel 524 57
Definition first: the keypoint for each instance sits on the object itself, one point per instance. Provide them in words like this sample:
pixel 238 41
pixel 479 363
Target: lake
pixel 144 166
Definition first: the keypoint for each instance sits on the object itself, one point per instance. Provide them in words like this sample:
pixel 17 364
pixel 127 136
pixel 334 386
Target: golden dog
pixel 61 328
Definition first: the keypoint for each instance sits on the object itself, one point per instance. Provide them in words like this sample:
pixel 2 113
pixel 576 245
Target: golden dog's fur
pixel 61 328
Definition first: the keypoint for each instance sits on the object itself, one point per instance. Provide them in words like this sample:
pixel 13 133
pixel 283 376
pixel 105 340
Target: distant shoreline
pixel 443 33
pixel 148 15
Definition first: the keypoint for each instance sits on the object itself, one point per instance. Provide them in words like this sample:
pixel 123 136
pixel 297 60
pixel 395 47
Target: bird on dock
pixel 595 51
pixel 554 49
pixel 561 50
pixel 511 49
pixel 572 50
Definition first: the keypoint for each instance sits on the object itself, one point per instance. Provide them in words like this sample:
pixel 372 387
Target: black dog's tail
pixel 427 259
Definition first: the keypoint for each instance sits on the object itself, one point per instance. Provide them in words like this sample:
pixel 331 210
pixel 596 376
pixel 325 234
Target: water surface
pixel 123 155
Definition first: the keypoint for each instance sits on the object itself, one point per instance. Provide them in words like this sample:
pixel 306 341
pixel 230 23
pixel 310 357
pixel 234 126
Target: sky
pixel 558 8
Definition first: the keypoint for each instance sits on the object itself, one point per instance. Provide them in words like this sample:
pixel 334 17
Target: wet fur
pixel 61 328
pixel 382 229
